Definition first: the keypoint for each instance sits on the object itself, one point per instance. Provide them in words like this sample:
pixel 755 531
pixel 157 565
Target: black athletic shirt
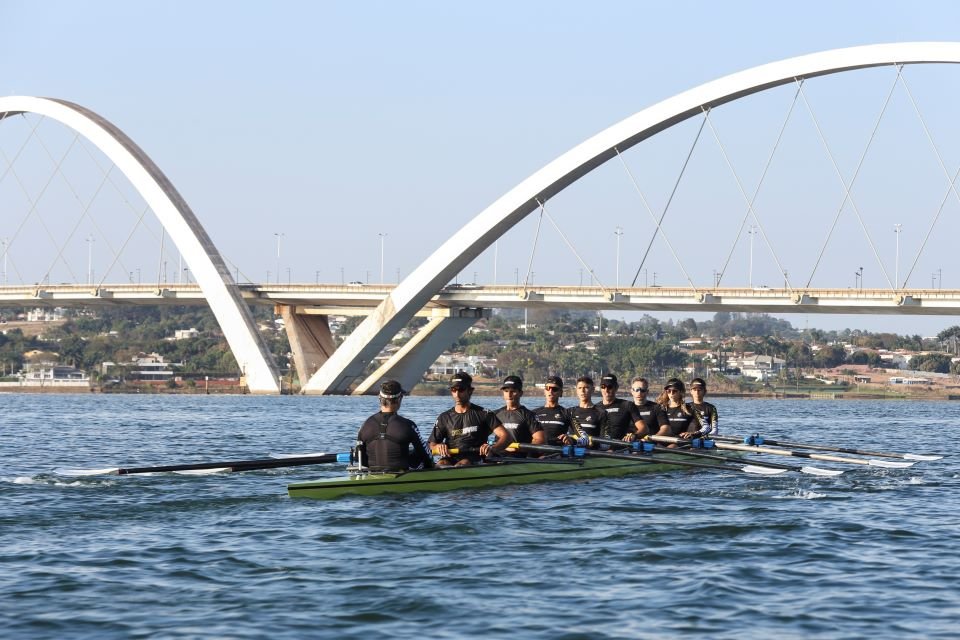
pixel 652 415
pixel 520 423
pixel 709 424
pixel 387 441
pixel 622 418
pixel 592 421
pixel 468 430
pixel 680 422
pixel 555 422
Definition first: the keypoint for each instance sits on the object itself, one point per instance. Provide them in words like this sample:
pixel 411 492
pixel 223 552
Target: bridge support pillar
pixel 310 340
pixel 409 363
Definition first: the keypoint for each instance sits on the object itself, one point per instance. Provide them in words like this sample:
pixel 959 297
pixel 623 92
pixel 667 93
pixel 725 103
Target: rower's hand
pixel 565 439
pixel 688 436
pixel 630 437
pixel 485 449
pixel 441 450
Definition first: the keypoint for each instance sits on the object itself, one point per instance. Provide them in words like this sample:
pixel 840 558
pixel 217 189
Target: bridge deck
pixel 359 299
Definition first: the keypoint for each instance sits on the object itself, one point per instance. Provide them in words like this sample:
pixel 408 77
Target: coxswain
pixel 680 418
pixel 623 418
pixel 650 412
pixel 708 422
pixel 554 419
pixel 388 441
pixel 466 427
pixel 587 419
pixel 520 422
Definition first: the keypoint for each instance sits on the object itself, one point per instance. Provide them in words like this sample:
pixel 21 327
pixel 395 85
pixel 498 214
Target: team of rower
pixel 467 433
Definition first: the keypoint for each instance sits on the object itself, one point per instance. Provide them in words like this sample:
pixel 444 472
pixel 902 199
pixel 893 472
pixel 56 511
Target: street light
pixel 278 236
pixel 619 233
pixel 6 242
pixel 383 237
pixel 90 241
pixel 896 271
pixel 752 231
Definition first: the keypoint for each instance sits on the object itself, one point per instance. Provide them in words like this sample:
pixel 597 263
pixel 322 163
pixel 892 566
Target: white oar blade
pixel 889 464
pixel 765 471
pixel 918 456
pixel 79 473
pixel 201 472
pixel 817 471
pixel 281 456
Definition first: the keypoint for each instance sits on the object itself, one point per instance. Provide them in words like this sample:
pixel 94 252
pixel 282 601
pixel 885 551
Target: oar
pixel 889 464
pixel 817 447
pixel 214 467
pixel 814 471
pixel 593 453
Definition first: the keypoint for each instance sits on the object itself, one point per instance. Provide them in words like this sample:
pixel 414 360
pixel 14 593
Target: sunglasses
pixel 553 389
pixel 640 389
pixel 608 386
pixel 456 389
pixel 672 390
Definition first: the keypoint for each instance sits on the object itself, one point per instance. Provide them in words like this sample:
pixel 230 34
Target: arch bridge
pixel 328 369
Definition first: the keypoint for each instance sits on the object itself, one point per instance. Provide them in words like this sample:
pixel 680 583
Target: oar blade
pixel 284 456
pixel 763 471
pixel 818 471
pixel 921 457
pixel 889 464
pixel 80 473
pixel 202 472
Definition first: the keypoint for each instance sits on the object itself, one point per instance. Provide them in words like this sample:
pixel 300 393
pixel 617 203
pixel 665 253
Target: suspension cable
pixel 847 195
pixel 950 188
pixel 756 191
pixel 666 207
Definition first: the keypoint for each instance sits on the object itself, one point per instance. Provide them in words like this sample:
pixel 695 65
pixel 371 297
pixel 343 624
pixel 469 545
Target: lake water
pixel 871 553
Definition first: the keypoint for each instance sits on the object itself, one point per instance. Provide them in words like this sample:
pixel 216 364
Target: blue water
pixel 871 553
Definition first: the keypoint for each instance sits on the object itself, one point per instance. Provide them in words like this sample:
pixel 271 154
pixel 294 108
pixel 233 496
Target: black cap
pixel 512 382
pixel 698 382
pixel 391 390
pixel 609 380
pixel 555 380
pixel 674 383
pixel 461 379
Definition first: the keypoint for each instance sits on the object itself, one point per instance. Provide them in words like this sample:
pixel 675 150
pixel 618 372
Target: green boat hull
pixel 478 476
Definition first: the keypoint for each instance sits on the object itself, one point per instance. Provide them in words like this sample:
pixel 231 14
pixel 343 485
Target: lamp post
pixel 619 233
pixel 278 236
pixel 896 269
pixel 90 241
pixel 6 242
pixel 383 237
pixel 496 253
pixel 752 231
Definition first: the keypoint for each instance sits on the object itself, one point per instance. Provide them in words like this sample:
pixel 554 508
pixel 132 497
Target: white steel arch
pixel 178 219
pixel 348 362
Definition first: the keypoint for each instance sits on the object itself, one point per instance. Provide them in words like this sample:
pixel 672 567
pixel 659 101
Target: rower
pixel 623 418
pixel 707 419
pixel 680 417
pixel 466 427
pixel 650 412
pixel 587 419
pixel 520 422
pixel 552 417
pixel 388 441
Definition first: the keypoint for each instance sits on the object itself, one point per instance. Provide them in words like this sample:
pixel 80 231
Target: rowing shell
pixel 476 476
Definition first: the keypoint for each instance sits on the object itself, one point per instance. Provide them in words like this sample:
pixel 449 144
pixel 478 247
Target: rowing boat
pixel 519 471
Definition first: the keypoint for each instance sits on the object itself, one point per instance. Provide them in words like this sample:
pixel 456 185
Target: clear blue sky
pixel 331 122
